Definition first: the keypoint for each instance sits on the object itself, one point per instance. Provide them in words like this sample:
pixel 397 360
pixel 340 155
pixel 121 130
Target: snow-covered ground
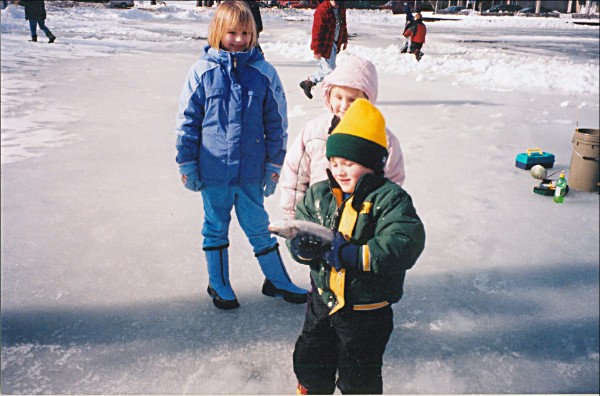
pixel 103 278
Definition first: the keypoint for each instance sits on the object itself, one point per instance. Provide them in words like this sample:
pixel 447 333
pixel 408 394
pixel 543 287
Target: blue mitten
pixel 343 254
pixel 271 178
pixel 190 176
pixel 308 247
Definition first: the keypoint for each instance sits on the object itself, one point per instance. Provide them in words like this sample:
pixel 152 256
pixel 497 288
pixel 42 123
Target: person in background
pixel 417 32
pixel 305 162
pixel 329 37
pixel 255 8
pixel 232 136
pixel 409 18
pixel 35 13
pixel 357 277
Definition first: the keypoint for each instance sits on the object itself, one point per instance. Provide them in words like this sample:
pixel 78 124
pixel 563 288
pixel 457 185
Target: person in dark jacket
pixel 409 18
pixel 416 31
pixel 329 37
pixel 356 278
pixel 35 13
pixel 255 8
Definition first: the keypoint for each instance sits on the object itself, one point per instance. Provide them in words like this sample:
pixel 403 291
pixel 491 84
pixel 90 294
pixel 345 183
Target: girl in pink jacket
pixel 305 162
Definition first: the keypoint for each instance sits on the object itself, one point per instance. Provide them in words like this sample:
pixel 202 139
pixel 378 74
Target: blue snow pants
pixel 248 201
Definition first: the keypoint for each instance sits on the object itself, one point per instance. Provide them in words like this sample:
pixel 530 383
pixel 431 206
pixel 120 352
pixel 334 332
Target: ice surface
pixel 103 277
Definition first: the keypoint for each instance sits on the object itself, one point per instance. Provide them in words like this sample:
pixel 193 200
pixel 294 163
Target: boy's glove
pixel 271 178
pixel 343 254
pixel 190 176
pixel 308 247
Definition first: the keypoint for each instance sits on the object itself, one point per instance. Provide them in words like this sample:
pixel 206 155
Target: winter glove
pixel 271 178
pixel 190 176
pixel 343 254
pixel 308 247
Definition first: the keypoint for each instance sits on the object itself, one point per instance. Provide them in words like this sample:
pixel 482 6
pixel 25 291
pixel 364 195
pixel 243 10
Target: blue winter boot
pixel 278 282
pixel 219 288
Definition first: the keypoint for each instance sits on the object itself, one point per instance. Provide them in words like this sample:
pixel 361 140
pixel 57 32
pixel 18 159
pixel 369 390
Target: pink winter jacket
pixel 305 162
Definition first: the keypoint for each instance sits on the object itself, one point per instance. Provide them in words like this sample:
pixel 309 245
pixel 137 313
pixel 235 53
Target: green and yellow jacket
pixel 379 217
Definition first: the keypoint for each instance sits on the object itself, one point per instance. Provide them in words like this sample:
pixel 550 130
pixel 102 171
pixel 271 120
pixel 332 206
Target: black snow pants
pixel 415 48
pixel 348 342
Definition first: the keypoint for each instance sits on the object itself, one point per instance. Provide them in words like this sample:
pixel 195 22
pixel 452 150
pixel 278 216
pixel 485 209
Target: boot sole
pixel 219 302
pixel 271 291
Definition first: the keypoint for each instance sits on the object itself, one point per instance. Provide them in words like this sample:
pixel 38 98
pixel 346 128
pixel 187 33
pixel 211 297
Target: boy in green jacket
pixel 356 278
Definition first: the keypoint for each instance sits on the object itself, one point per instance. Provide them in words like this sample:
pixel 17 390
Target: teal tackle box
pixel 532 157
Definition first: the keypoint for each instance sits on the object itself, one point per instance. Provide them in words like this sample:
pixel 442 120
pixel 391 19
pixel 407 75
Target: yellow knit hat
pixel 360 136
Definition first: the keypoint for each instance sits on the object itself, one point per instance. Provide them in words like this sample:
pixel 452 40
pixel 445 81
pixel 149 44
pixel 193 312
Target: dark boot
pixel 219 302
pixel 270 290
pixel 219 288
pixel 418 55
pixel 33 38
pixel 278 282
pixel 404 49
pixel 51 38
pixel 306 86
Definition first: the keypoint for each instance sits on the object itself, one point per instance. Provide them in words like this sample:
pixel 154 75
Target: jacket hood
pixel 355 72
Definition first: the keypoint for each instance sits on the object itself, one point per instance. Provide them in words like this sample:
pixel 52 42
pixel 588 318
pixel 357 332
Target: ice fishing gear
pixel 534 156
pixel 548 186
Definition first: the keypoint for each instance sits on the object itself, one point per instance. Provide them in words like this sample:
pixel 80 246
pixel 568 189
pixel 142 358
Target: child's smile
pixel 236 40
pixel 347 173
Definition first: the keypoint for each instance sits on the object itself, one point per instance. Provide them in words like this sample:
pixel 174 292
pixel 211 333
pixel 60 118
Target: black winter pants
pixel 415 48
pixel 348 342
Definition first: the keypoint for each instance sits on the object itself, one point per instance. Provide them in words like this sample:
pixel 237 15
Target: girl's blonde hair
pixel 230 14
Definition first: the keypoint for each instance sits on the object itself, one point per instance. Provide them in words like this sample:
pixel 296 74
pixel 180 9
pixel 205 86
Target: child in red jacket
pixel 416 30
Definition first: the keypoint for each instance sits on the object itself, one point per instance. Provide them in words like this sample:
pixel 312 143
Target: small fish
pixel 289 229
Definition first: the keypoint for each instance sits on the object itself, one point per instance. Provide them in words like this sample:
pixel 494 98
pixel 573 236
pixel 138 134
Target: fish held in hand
pixel 289 229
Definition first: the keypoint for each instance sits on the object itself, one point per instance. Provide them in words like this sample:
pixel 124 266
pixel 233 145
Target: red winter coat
pixel 417 31
pixel 323 29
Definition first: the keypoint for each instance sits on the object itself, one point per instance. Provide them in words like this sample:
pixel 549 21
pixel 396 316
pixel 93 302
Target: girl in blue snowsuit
pixel 232 136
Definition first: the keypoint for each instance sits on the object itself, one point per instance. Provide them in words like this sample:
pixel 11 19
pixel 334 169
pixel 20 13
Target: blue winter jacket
pixel 232 117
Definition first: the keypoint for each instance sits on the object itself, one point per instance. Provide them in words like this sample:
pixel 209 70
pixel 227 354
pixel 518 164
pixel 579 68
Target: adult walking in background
pixel 35 13
pixel 329 36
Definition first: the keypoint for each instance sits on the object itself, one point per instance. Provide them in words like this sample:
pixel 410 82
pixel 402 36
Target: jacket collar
pixel 366 185
pixel 226 58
